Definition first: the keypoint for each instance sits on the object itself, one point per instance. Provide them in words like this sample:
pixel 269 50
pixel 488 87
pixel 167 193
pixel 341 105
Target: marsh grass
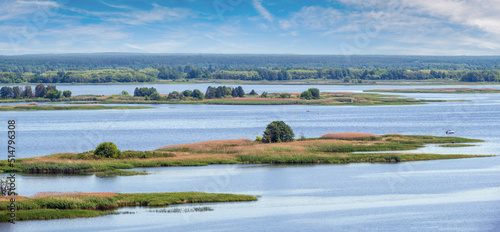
pixel 84 205
pixel 310 150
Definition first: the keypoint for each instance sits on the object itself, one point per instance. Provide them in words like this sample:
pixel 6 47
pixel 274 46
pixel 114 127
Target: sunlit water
pixel 441 195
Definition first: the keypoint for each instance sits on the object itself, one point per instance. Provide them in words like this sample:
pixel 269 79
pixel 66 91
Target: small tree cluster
pixel 312 93
pixel 195 94
pixel 41 91
pixel 144 91
pixel 223 91
pixel 277 132
pixel 238 92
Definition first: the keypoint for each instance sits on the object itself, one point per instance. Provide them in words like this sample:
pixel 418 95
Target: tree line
pixel 188 72
pixel 215 92
pixel 26 92
pixel 38 64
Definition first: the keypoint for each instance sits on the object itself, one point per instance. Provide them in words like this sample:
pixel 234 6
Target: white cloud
pixel 480 14
pixel 312 18
pixel 257 4
pixel 157 14
pixel 87 33
pixel 19 9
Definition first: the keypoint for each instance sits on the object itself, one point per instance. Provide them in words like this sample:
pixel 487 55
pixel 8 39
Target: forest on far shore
pixel 109 68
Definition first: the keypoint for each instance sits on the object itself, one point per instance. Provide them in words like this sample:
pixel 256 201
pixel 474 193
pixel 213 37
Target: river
pixel 441 195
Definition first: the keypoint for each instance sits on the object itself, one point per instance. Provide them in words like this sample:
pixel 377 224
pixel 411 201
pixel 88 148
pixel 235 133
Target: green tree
pixel 16 92
pixel 240 92
pixel 67 93
pixel 187 93
pixel 306 95
pixel 6 92
pixel 264 94
pixel 40 90
pixel 27 93
pixel 253 92
pixel 277 132
pixel 197 94
pixel 125 93
pixel 314 93
pixel 107 150
pixel 53 94
pixel 155 96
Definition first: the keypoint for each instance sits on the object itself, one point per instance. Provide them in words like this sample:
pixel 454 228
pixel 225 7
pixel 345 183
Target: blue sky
pixel 392 27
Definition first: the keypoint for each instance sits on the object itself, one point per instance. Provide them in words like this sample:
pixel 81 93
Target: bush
pixel 258 139
pixel 67 93
pixel 306 95
pixel 107 150
pixel 285 95
pixel 314 92
pixel 277 132
pixel 155 96
pixel 197 94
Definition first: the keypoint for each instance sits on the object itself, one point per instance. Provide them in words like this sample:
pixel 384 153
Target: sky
pixel 336 27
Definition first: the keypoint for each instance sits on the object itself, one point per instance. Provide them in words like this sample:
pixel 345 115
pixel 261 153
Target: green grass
pixel 346 158
pixel 73 206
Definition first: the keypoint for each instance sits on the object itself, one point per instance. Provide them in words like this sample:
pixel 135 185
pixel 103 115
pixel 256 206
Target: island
pixel 34 106
pixel 45 206
pixel 330 148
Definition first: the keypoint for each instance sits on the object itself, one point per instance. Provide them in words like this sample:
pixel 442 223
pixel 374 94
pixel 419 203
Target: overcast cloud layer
pixel 402 27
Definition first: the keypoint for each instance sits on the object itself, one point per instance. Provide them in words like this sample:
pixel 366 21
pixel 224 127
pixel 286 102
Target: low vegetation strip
pixel 75 205
pixel 69 107
pixel 442 90
pixel 331 148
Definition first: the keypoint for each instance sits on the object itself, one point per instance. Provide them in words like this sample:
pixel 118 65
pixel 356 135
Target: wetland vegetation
pixel 332 148
pixel 45 206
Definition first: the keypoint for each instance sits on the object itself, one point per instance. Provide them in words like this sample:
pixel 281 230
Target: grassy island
pixel 72 205
pixel 333 148
pixel 33 107
pixel 326 98
pixel 443 90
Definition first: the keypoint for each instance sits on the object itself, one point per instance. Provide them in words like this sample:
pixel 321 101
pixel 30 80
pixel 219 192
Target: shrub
pixel 67 93
pixel 277 132
pixel 107 150
pixel 155 96
pixel 285 95
pixel 258 139
pixel 314 92
pixel 306 95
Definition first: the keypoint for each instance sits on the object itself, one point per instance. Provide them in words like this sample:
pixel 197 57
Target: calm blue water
pixel 442 195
